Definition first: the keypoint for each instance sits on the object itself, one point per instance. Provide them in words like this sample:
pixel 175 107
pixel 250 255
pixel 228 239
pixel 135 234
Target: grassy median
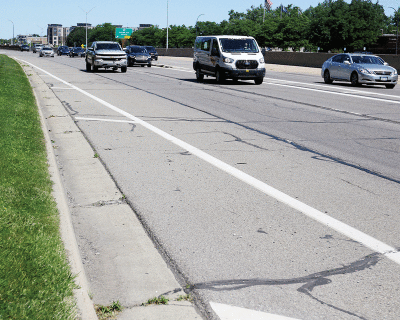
pixel 35 278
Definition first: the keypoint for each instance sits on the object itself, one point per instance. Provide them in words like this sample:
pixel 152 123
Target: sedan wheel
pixel 354 79
pixel 327 77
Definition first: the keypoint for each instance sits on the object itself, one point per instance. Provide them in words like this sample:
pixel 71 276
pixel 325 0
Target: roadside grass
pixel 35 279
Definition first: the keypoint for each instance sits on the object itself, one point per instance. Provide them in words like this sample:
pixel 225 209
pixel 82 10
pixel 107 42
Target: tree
pixel 102 32
pixel 366 20
pixel 76 37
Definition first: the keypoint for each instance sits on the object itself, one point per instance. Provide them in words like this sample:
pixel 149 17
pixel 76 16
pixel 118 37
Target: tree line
pixel 330 26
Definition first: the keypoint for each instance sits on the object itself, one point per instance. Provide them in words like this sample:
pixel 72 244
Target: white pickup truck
pixel 106 54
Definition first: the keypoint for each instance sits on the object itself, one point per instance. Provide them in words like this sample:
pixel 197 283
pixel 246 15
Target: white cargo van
pixel 228 57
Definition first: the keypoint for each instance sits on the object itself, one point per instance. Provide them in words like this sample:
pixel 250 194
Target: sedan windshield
pixel 367 60
pixel 238 45
pixel 138 50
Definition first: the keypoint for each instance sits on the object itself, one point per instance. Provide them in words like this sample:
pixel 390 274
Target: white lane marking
pixel 333 92
pixel 61 88
pixel 325 90
pixel 227 312
pixel 339 88
pixel 104 120
pixel 352 233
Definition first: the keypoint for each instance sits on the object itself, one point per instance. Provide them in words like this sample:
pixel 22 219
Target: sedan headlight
pixel 227 60
pixel 395 72
pixel 365 71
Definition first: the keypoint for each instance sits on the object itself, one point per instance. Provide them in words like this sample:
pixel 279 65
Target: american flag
pixel 268 4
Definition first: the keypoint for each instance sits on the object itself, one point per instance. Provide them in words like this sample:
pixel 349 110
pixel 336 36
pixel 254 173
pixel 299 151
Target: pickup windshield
pixel 108 46
pixel 238 45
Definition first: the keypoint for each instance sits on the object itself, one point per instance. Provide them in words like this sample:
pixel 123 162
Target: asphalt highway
pixel 282 198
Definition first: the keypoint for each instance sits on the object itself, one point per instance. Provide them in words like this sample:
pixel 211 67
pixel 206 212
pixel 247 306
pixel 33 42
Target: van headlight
pixel 227 60
pixel 261 60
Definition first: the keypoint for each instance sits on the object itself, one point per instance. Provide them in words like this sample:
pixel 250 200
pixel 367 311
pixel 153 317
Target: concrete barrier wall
pixel 303 59
pixel 10 47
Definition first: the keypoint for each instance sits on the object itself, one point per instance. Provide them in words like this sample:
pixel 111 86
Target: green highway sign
pixel 123 33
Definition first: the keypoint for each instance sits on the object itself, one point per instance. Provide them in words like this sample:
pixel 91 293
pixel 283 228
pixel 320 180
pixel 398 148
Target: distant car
pixel 62 50
pixel 359 69
pixel 152 51
pixel 46 52
pixel 77 51
pixel 138 55
pixel 24 47
pixel 37 48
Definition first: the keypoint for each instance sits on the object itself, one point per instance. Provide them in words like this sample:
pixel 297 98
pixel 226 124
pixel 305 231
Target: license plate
pixel 247 70
pixel 384 78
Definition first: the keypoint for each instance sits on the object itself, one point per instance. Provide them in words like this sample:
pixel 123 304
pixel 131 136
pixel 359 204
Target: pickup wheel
pixel 95 68
pixel 123 69
pixel 258 81
pixel 149 65
pixel 88 67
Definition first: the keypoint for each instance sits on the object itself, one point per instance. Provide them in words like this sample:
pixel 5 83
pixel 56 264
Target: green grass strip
pixel 35 278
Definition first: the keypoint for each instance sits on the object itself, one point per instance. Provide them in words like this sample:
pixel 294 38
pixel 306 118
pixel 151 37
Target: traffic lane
pixel 163 109
pixel 201 236
pixel 372 98
pixel 104 94
pixel 158 188
pixel 308 121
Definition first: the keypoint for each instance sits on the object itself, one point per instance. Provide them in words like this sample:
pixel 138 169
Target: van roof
pixel 226 36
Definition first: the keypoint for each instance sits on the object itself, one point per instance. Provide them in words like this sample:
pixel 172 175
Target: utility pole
pixel 198 20
pixel 86 22
pixel 167 27
pixel 12 40
pixel 396 13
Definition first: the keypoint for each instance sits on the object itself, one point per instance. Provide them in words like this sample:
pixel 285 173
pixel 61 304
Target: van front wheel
pixel 199 75
pixel 219 76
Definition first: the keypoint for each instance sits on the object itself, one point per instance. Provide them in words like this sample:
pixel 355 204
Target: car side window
pixel 205 45
pixel 337 58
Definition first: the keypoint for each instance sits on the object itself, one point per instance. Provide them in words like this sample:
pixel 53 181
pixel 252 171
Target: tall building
pixel 55 34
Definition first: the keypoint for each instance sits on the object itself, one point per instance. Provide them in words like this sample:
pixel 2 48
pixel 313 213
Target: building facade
pixel 55 34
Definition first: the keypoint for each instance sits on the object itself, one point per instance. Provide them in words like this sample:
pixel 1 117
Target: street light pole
pixel 87 12
pixel 167 27
pixel 397 26
pixel 198 20
pixel 12 40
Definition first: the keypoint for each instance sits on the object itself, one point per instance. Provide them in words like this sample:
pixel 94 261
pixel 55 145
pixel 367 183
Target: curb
pixel 84 303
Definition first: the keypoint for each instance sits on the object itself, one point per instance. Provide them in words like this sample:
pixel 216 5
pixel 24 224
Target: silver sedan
pixel 46 52
pixel 359 69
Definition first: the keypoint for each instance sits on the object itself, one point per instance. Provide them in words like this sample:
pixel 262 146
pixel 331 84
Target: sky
pixel 32 17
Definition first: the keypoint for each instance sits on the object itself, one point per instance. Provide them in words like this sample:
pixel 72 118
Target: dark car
pixel 77 51
pixel 138 55
pixel 62 50
pixel 24 47
pixel 152 51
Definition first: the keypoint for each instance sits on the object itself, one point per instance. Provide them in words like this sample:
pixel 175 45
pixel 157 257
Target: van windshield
pixel 238 45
